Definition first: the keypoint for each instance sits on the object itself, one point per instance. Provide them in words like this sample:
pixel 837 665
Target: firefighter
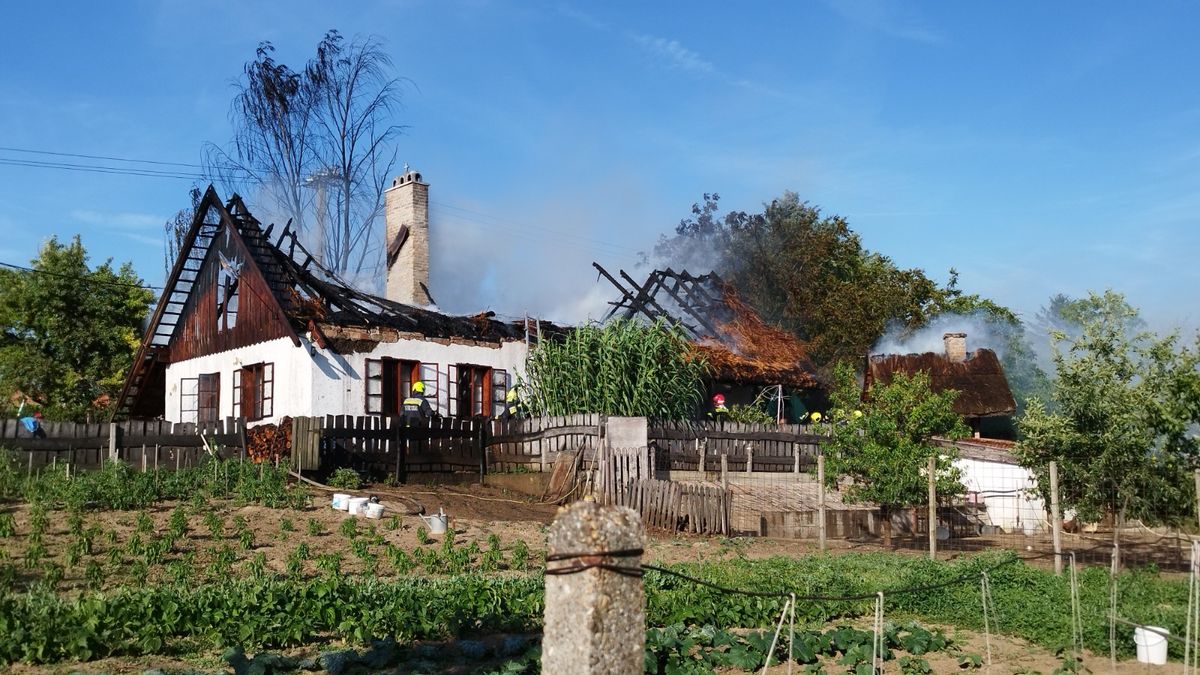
pixel 719 412
pixel 512 405
pixel 416 407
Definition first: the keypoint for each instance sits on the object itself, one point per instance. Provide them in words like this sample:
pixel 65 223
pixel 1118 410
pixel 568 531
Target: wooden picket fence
pixel 695 446
pixel 625 477
pixel 153 444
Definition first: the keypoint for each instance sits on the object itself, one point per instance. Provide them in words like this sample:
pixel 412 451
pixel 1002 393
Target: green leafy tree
pixel 69 331
pixel 618 368
pixel 1121 428
pixel 882 445
pixel 806 271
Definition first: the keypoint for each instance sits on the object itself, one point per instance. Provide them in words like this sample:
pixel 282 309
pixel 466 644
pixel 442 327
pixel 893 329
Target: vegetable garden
pixel 231 558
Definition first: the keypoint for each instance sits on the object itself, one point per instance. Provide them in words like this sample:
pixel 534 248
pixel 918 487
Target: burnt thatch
pixel 739 346
pixel 979 380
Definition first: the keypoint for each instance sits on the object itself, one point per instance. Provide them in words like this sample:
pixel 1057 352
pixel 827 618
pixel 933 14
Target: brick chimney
pixel 406 213
pixel 956 346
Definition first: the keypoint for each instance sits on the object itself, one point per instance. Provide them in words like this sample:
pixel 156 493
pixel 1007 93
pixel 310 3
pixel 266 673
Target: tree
pixel 805 271
pixel 175 230
pixel 618 368
pixel 1122 426
pixel 318 140
pixel 884 450
pixel 69 332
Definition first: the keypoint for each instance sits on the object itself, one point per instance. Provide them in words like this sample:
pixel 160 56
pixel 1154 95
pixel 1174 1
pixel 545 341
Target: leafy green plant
pixel 393 522
pixel 349 527
pixel 142 523
pixel 8 526
pixel 246 539
pixel 422 536
pixel 345 479
pixel 286 525
pixel 215 524
pixel 520 556
pixel 93 575
pixel 177 526
pixel 315 528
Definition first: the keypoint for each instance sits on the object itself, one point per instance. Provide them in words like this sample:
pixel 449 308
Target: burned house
pixel 250 324
pixel 984 399
pixel 749 359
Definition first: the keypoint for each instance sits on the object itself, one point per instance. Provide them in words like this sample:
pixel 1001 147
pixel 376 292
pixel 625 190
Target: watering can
pixel 436 522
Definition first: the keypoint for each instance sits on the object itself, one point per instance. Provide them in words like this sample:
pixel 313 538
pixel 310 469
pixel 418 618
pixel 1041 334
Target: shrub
pixel 345 479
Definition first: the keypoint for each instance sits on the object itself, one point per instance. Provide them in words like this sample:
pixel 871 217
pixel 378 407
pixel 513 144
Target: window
pixel 389 382
pixel 188 399
pixel 254 391
pixel 478 391
pixel 209 397
pixel 227 294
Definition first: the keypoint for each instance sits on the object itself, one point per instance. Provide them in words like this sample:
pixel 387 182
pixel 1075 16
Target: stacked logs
pixel 270 442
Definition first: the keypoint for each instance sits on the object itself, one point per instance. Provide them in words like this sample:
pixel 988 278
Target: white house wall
pixel 1008 491
pixel 313 381
pixel 339 388
pixel 293 381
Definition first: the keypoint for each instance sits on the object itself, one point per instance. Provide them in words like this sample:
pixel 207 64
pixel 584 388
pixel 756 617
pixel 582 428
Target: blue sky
pixel 1036 147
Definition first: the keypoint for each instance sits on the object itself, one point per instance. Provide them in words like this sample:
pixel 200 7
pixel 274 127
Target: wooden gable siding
pixel 259 317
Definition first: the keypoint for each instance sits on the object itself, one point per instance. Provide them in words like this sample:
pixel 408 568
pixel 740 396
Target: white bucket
pixel 341 501
pixel 373 510
pixel 356 505
pixel 1151 646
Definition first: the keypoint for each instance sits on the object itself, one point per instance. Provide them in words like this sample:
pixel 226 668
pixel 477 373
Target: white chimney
pixel 956 346
pixel 406 212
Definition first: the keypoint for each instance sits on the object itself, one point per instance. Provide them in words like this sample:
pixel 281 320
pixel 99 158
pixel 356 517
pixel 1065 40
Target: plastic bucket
pixel 356 505
pixel 341 501
pixel 374 511
pixel 1151 647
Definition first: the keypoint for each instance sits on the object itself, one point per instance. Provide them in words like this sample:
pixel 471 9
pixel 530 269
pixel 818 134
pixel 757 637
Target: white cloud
pixel 878 15
pixel 674 54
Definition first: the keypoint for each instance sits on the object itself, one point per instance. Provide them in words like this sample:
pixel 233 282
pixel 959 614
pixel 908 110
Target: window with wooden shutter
pixel 374 380
pixel 452 386
pixel 499 392
pixel 474 393
pixel 254 391
pixel 209 398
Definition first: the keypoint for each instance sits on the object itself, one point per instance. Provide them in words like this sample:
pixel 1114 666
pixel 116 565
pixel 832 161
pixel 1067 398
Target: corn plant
pixel 493 542
pixel 393 523
pixel 619 368
pixel 302 550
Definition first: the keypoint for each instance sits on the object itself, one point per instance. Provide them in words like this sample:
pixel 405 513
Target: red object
pixel 37 415
pixel 718 399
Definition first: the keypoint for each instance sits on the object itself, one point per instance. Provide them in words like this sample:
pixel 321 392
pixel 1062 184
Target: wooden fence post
pixel 701 450
pixel 821 529
pixel 931 469
pixel 595 619
pixel 1055 519
pixel 724 471
pixel 482 443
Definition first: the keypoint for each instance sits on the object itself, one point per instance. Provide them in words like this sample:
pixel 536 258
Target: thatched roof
pixel 979 380
pixel 738 344
pixel 751 351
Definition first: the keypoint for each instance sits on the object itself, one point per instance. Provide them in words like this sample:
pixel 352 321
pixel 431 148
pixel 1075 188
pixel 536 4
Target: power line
pixel 77 277
pixel 89 168
pixel 102 157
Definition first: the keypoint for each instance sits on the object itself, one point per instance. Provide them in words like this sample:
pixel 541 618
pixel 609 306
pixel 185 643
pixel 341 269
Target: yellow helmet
pixel 418 387
pixel 816 417
pixel 511 395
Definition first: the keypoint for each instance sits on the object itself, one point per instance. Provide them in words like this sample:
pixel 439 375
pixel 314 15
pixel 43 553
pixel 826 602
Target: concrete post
pixel 931 470
pixel 821 520
pixel 700 451
pixel 595 619
pixel 1055 519
pixel 724 471
pixel 113 449
pixel 749 459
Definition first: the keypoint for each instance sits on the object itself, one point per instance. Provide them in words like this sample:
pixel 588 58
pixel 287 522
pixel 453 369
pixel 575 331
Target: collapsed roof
pixel 979 379
pixel 304 296
pixel 737 343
